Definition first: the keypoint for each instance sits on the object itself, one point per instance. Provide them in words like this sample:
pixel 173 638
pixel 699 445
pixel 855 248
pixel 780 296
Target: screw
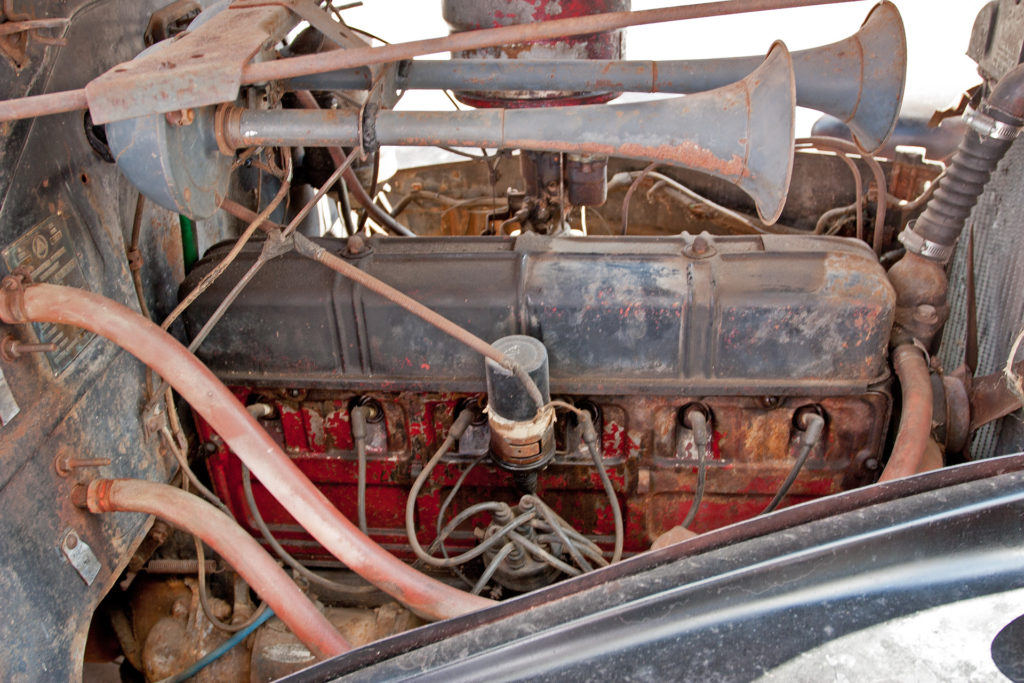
pixel 11 349
pixel 71 541
pixel 871 464
pixel 64 464
pixel 180 118
pixel 700 245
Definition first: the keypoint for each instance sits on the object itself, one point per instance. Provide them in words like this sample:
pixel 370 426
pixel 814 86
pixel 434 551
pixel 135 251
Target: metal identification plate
pixel 47 251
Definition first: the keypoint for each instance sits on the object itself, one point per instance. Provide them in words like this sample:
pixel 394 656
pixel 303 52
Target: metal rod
pixel 43 105
pixel 504 35
pixel 307 101
pixel 332 60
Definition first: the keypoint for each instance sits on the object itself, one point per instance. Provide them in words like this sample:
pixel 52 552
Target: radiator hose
pixel 992 128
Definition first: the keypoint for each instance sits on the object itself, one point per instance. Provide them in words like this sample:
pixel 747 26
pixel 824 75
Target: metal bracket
pixel 987 126
pixel 81 556
pixel 200 67
pixel 338 33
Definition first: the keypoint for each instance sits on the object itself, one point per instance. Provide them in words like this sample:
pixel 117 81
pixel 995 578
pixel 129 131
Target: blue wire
pixel 220 651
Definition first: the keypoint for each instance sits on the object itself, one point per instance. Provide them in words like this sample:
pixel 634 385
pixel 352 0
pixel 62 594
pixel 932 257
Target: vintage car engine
pixel 749 330
pixel 264 400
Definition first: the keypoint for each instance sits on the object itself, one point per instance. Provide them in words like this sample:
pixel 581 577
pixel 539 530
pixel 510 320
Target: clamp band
pixel 987 126
pixel 926 248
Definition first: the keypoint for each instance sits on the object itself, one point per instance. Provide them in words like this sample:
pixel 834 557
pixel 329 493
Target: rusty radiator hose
pixel 909 450
pixel 253 445
pixel 237 547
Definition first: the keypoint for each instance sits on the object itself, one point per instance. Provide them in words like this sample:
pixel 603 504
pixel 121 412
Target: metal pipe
pixel 253 445
pixel 504 35
pixel 909 450
pixel 237 547
pixel 43 105
pixel 680 77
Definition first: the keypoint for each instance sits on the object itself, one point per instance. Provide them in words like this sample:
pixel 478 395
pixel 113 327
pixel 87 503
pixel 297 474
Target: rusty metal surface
pixel 172 631
pixel 722 324
pixel 203 66
pixel 121 95
pixel 742 133
pixel 47 169
pixel 455 198
pixel 464 15
pixel 992 397
pixel 651 461
pixel 472 40
pixel 197 385
pixel 858 80
pixel 276 652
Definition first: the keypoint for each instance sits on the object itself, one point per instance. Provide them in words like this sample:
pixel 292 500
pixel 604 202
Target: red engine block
pixel 648 454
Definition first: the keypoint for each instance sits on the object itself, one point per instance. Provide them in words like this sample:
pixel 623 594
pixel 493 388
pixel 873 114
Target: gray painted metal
pixel 178 167
pixel 742 132
pixel 859 80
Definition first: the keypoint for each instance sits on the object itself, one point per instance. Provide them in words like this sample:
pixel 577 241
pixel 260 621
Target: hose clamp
pixel 986 126
pixel 926 248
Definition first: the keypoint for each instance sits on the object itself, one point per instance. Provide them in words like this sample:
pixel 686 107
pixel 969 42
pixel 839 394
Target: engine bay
pixel 368 400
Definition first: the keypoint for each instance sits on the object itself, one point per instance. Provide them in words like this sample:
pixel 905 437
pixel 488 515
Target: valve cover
pixel 754 329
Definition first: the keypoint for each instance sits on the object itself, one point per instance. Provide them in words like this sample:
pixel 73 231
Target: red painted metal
pixel 464 15
pixel 753 451
pixel 239 549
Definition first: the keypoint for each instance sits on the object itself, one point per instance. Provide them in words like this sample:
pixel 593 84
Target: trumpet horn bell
pixel 741 132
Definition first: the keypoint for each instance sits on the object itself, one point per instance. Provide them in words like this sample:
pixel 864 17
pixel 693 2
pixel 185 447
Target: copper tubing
pixel 253 445
pixel 237 547
pixel 322 62
pixel 846 147
pixel 505 35
pixel 908 453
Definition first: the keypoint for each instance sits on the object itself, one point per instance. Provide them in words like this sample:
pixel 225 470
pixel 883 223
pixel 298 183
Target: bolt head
pixel 927 314
pixel 356 245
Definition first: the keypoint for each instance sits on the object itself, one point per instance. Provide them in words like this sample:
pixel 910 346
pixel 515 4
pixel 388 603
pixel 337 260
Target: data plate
pixel 48 253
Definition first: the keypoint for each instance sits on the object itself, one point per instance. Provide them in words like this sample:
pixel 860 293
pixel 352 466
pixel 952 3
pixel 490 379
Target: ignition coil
pixel 522 438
